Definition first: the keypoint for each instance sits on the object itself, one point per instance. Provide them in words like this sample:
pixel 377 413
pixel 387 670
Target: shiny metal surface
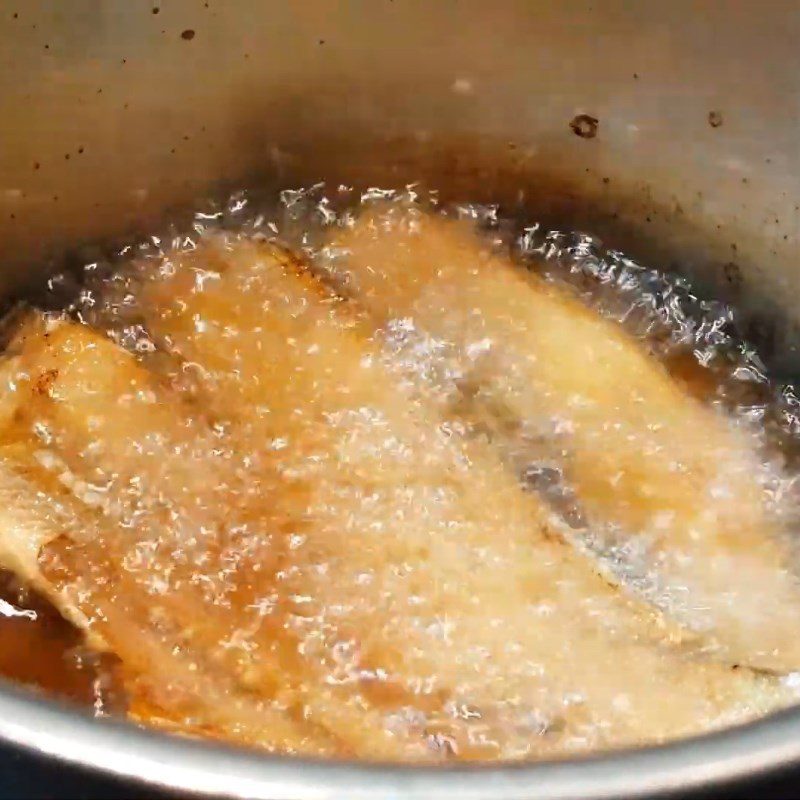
pixel 113 116
pixel 207 770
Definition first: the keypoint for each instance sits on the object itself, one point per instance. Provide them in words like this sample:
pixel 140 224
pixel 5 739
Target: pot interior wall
pixel 115 113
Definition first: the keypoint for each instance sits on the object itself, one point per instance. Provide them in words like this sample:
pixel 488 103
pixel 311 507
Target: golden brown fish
pixel 107 489
pixel 673 483
pixel 446 576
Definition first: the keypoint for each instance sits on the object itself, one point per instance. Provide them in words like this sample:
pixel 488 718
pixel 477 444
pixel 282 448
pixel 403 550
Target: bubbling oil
pixel 372 532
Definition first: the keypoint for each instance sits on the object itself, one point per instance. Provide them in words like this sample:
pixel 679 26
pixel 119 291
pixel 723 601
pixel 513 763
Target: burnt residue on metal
pixel 715 118
pixel 585 126
pixel 733 274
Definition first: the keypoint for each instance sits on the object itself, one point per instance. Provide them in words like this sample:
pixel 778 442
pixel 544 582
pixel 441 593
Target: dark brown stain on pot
pixel 585 126
pixel 733 274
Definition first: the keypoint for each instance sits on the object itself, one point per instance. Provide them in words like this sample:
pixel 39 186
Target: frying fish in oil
pixel 673 485
pixel 108 535
pixel 286 542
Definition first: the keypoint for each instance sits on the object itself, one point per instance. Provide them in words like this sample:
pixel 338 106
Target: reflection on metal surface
pixel 111 118
pixel 205 770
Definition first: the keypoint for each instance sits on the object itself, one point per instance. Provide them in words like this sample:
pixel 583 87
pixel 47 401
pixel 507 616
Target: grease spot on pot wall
pixel 733 275
pixel 585 126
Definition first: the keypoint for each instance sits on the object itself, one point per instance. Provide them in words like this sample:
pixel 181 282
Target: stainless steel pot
pixel 115 113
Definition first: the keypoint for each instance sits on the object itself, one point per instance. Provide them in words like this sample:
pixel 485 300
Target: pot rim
pixel 119 749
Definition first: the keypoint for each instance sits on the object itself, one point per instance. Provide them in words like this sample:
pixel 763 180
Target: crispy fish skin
pixel 204 544
pixel 419 545
pixel 45 527
pixel 92 414
pixel 675 479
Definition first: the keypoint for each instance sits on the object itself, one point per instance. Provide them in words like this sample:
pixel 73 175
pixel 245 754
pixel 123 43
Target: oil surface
pixel 43 651
pixel 377 479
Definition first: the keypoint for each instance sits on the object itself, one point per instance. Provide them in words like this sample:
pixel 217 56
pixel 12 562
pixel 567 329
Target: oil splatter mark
pixel 714 119
pixel 188 34
pixel 733 275
pixel 585 126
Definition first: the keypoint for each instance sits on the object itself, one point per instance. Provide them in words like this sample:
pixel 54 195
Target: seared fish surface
pixel 286 542
pixel 672 487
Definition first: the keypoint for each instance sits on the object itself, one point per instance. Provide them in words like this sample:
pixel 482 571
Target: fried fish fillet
pixel 185 556
pixel 425 582
pixel 672 482
pixel 108 489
